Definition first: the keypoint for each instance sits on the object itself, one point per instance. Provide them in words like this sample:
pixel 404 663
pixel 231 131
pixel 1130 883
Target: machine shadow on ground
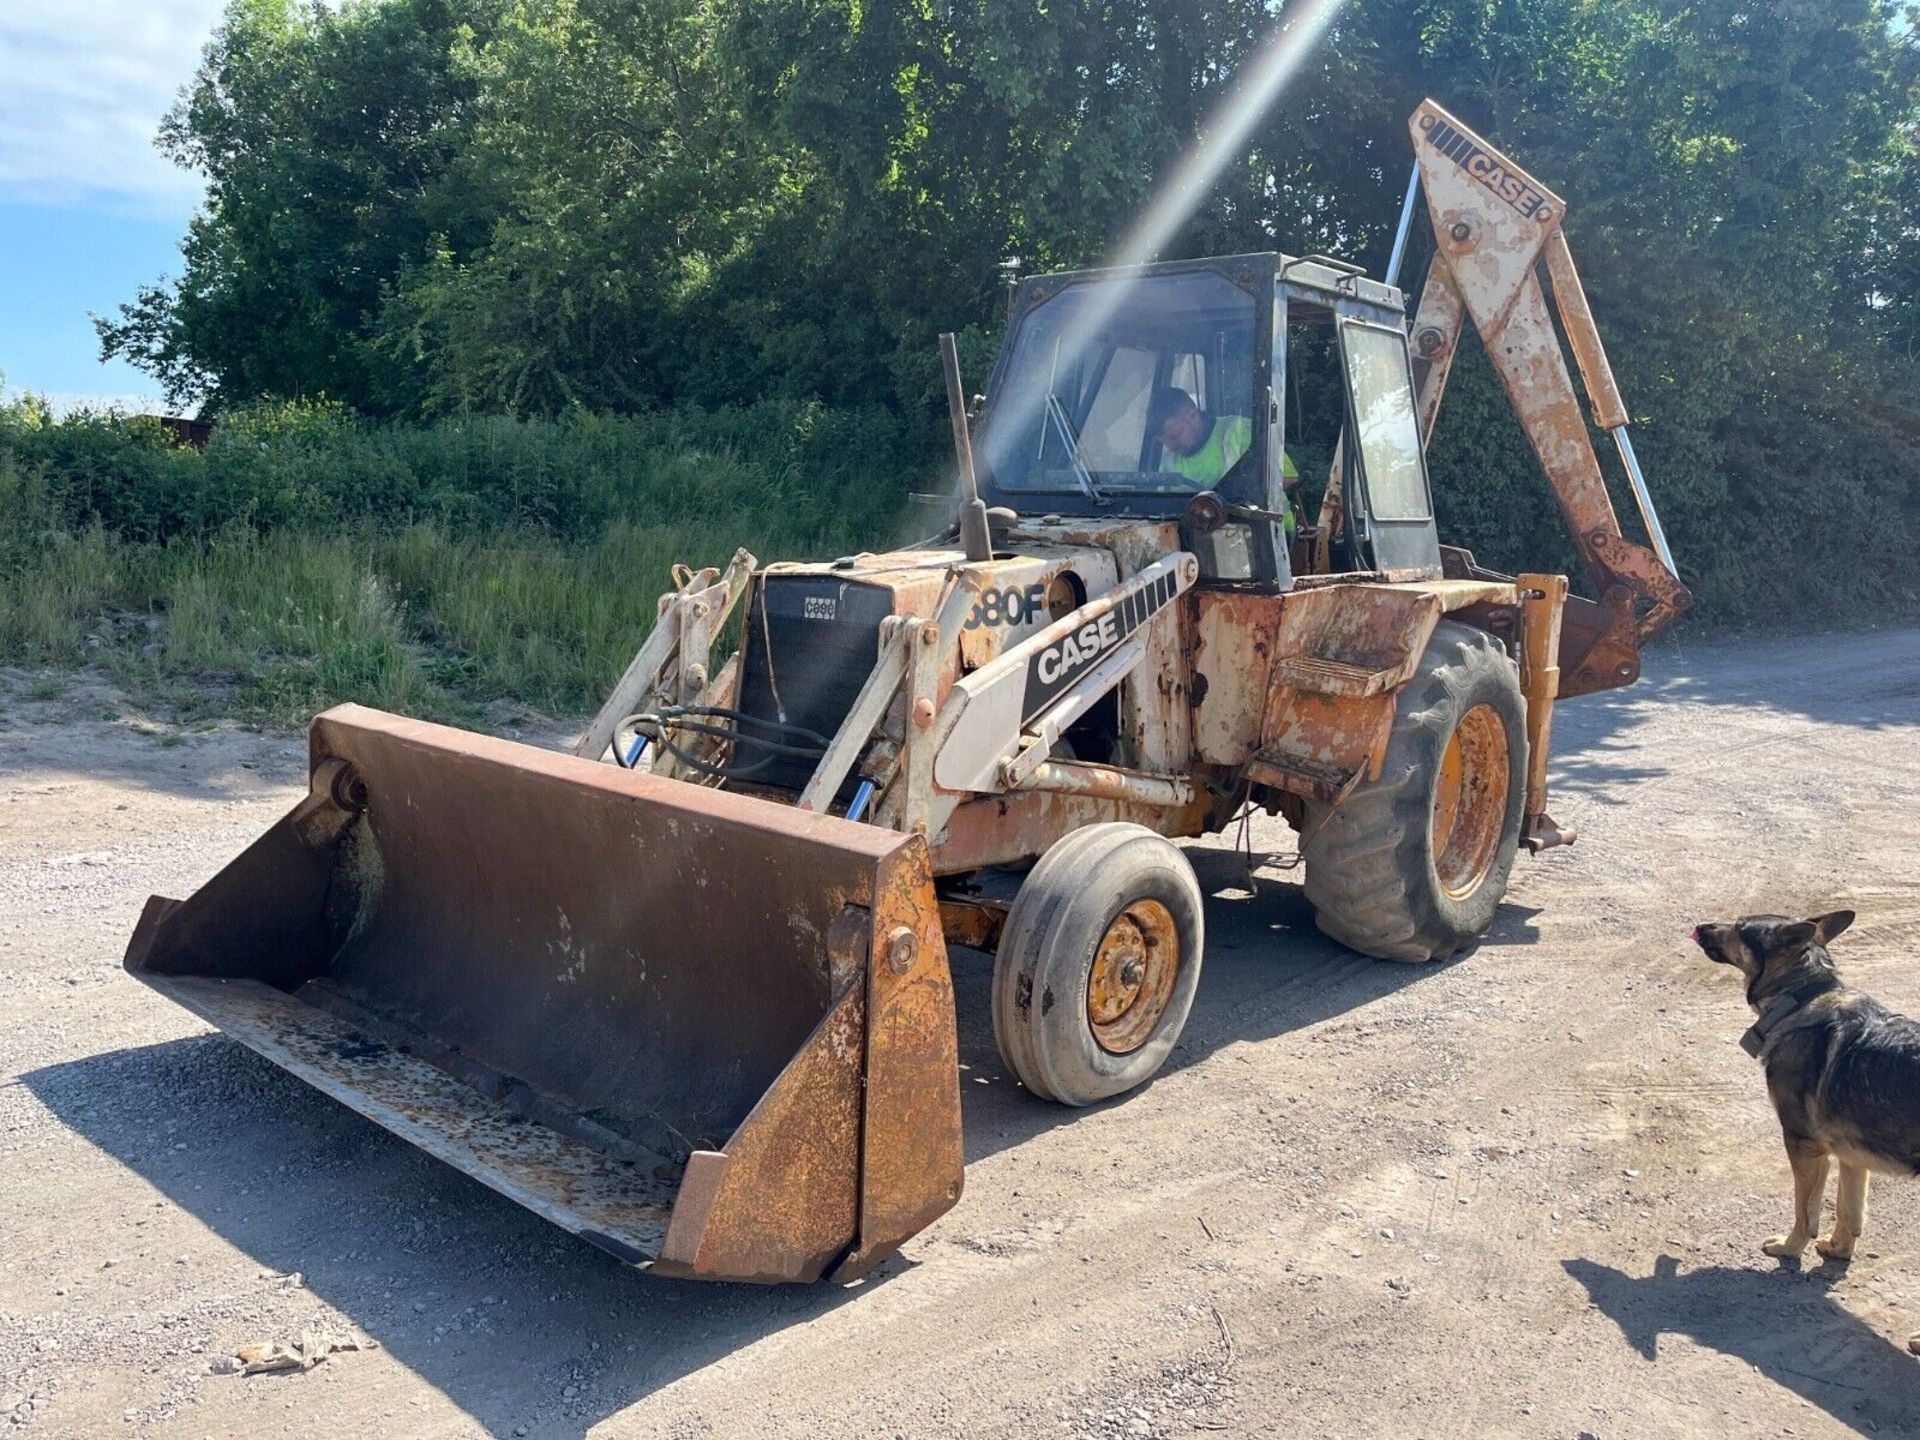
pixel 1783 1322
pixel 1268 972
pixel 403 1246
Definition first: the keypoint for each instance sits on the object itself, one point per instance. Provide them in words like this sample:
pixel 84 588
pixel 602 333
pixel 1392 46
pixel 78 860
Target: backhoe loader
pixel 685 991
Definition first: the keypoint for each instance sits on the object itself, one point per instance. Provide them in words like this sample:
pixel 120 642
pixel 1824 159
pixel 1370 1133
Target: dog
pixel 1843 1071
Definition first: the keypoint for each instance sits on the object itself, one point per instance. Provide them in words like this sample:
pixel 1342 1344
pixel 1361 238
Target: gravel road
pixel 1521 1194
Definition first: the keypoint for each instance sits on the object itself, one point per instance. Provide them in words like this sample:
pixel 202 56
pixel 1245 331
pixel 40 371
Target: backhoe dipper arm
pixel 1495 227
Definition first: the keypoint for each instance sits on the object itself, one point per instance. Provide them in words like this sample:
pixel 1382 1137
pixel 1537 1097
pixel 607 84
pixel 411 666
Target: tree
pixel 531 206
pixel 334 145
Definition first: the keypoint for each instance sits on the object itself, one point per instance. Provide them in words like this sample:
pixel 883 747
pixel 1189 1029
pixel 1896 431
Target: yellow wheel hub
pixel 1470 801
pixel 1133 974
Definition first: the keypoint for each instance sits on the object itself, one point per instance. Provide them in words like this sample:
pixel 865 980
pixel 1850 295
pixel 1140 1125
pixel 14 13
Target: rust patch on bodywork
pixel 779 1202
pixel 1233 638
pixel 974 924
pixel 1341 654
pixel 1011 829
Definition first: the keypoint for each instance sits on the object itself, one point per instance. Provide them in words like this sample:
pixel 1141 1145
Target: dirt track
pixel 1520 1194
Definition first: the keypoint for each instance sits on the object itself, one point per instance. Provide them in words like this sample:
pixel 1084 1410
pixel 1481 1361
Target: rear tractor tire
pixel 1098 963
pixel 1413 866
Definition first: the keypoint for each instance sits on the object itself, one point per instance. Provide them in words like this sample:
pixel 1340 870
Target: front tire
pixel 1413 866
pixel 1098 963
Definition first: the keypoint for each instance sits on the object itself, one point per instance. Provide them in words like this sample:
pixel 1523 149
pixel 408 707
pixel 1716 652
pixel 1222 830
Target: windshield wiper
pixel 1057 413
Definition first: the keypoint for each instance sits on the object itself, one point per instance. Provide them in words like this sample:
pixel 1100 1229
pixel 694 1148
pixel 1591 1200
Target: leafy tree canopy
pixel 424 207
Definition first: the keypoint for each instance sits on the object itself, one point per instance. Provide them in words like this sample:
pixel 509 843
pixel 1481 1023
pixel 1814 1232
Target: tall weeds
pixel 305 558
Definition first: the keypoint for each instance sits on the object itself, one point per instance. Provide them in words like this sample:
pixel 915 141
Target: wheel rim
pixel 1470 801
pixel 1131 982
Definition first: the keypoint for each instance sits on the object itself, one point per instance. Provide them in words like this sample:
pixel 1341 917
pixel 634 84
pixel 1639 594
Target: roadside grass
pixel 274 628
pixel 306 558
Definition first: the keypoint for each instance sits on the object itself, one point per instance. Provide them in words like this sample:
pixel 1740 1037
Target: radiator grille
pixel 824 634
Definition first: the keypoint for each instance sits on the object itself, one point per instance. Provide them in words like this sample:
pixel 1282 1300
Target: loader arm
pixel 1496 229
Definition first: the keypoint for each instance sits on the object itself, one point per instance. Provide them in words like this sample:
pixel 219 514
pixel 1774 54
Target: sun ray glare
pixel 1255 88
pixel 1223 134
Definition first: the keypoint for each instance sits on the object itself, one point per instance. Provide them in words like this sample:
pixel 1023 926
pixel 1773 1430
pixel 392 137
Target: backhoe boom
pixel 1496 229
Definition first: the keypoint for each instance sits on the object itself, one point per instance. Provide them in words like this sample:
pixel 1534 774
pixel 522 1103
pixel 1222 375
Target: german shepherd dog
pixel 1843 1071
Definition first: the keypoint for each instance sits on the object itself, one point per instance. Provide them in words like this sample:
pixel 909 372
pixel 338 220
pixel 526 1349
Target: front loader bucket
pixel 710 1034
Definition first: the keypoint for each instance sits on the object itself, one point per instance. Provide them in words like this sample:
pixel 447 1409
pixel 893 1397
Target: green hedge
pixel 314 465
pixel 306 557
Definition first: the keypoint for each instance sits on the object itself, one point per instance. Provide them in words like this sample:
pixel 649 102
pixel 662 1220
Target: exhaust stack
pixel 975 534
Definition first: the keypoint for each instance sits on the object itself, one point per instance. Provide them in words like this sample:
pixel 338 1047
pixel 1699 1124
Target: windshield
pixel 1153 381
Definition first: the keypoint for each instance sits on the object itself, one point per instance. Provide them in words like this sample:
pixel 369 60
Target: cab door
pixel 1394 516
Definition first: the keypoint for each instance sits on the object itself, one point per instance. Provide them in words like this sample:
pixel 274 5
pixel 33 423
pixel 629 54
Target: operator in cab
pixel 1202 448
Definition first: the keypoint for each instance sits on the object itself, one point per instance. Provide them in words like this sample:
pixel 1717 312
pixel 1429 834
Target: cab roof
pixel 1340 283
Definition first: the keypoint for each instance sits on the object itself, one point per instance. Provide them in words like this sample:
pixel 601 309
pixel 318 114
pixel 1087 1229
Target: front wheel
pixel 1098 963
pixel 1412 866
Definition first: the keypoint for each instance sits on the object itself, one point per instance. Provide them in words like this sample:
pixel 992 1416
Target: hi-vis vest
pixel 1231 438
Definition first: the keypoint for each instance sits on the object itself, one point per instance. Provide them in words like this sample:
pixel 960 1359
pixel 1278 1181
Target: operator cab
pixel 1157 392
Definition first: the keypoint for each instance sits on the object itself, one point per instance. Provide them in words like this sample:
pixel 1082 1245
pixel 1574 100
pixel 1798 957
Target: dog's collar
pixel 1778 1009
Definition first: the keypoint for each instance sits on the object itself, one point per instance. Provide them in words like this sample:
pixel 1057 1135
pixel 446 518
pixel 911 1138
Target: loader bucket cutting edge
pixel 710 1034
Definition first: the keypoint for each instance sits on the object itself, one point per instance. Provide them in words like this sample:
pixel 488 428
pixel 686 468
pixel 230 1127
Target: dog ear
pixel 1828 926
pixel 1794 935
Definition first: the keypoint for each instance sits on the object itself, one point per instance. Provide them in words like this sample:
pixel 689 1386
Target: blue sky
pixel 89 210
